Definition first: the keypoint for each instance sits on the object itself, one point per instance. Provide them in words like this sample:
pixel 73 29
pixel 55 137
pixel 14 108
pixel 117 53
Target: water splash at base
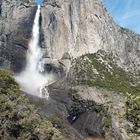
pixel 32 80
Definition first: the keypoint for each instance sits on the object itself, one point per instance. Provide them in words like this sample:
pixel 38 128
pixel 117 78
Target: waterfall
pixel 32 80
pixel 34 52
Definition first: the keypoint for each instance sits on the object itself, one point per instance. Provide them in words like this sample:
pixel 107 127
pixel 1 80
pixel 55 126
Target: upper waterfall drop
pixel 32 80
pixel 34 52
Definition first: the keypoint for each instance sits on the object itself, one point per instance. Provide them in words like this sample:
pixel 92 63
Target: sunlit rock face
pixel 84 26
pixel 16 20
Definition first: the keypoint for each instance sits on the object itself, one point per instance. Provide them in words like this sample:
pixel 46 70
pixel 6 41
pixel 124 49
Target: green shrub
pixel 111 77
pixel 18 118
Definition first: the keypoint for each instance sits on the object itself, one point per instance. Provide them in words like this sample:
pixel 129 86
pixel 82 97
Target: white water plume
pixel 31 79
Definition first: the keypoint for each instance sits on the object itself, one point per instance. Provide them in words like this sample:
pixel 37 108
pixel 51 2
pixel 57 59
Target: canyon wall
pixel 68 27
pixel 77 27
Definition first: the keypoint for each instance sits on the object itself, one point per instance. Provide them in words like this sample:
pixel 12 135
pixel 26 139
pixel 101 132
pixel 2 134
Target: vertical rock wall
pixel 84 26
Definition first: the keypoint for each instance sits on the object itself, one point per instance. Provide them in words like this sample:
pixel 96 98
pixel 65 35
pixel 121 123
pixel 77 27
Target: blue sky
pixel 39 1
pixel 125 12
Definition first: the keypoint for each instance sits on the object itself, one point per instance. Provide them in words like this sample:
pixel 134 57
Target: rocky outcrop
pixel 16 20
pixel 79 27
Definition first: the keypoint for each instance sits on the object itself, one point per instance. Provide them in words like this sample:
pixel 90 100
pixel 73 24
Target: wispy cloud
pixel 125 12
pixel 131 14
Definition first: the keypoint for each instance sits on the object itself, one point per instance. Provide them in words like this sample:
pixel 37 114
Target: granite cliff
pixel 79 27
pixel 74 27
pixel 97 63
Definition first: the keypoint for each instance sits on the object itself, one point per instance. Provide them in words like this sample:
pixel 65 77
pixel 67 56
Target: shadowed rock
pixel 15 32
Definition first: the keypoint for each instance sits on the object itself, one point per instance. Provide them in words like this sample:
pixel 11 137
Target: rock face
pixel 16 20
pixel 84 26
